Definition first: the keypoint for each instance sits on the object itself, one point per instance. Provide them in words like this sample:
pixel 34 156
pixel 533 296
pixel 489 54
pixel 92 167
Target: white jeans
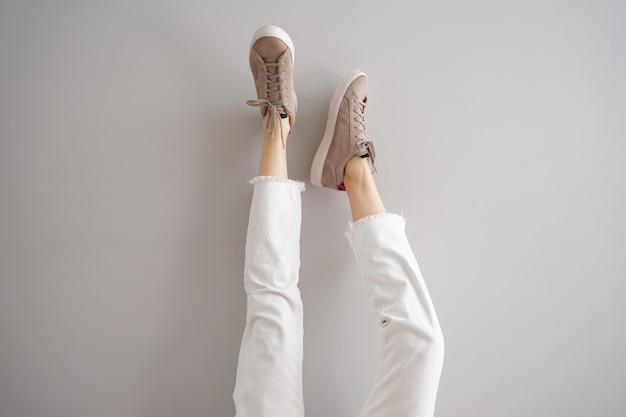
pixel 269 373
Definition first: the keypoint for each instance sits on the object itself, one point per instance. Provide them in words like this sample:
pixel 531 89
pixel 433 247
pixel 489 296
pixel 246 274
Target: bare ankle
pixel 361 189
pixel 356 171
pixel 278 132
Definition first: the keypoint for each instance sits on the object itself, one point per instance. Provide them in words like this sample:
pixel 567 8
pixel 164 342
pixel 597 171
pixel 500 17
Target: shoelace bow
pixel 276 99
pixel 363 144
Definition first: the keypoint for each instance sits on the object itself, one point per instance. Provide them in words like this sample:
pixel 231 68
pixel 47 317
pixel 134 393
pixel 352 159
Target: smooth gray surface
pixel 125 149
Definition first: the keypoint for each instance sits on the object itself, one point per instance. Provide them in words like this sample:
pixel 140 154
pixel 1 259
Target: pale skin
pixel 358 179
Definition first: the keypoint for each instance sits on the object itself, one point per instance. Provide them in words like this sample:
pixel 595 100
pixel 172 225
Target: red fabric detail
pixel 341 187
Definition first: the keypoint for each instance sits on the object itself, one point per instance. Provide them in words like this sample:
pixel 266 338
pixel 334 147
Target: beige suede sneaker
pixel 344 137
pixel 271 61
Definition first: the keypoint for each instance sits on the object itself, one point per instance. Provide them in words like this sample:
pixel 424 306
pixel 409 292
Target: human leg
pixel 411 356
pixel 273 161
pixel 269 371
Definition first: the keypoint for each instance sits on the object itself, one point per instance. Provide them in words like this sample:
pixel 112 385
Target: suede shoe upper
pixel 349 138
pixel 271 63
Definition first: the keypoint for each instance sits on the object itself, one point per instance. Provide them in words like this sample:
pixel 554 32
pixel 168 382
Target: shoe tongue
pixel 271 54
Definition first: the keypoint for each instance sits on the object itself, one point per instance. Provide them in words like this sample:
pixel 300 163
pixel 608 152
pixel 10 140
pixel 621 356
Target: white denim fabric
pixel 269 373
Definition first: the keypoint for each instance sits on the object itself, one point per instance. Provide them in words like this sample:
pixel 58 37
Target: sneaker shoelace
pixel 275 88
pixel 362 143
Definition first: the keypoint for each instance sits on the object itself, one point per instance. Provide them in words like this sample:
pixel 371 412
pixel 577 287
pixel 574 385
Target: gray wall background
pixel 125 149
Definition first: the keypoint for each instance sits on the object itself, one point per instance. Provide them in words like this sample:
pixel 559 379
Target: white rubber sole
pixel 317 167
pixel 274 32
